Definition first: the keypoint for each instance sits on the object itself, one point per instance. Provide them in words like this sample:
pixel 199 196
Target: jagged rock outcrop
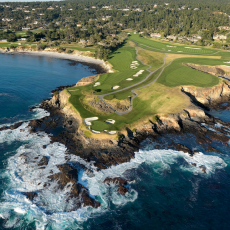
pixel 214 70
pixel 209 97
pixel 120 182
pixel 87 80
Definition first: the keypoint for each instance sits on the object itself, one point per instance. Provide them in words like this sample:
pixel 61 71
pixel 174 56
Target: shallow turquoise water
pixel 166 191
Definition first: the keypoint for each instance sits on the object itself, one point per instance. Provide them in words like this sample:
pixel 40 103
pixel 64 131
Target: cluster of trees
pixel 8 35
pixel 178 17
pixel 99 21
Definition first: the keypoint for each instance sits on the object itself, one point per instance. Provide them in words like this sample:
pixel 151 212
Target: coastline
pixel 108 152
pixel 99 65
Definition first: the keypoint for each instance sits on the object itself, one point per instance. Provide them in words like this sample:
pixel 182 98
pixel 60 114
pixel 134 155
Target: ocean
pixel 165 191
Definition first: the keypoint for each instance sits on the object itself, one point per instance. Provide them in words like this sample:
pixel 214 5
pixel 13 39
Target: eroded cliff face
pixel 209 96
pixel 103 153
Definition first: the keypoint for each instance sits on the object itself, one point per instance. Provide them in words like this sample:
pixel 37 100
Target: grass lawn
pixel 177 74
pixel 163 96
pixel 169 47
pixel 121 61
pixel 100 126
pixel 154 59
pixel 5 44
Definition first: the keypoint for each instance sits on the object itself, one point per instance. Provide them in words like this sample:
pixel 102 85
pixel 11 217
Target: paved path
pixel 131 86
pixel 150 73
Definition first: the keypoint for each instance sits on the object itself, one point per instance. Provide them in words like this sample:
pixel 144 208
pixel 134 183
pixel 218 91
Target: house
pixel 94 7
pixel 3 40
pixel 155 6
pixel 219 37
pixel 192 39
pixel 125 9
pixel 50 8
pixel 6 19
pixel 22 39
pixel 171 37
pixel 78 25
pixel 155 35
pixel 25 28
pixel 224 27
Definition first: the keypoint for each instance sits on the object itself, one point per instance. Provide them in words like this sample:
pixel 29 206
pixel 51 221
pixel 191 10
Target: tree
pixel 12 37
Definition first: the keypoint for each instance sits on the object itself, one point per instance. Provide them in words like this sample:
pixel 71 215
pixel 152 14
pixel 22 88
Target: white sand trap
pixel 138 73
pixel 169 50
pixel 115 87
pixel 179 51
pixel 227 62
pixel 96 84
pixel 112 132
pixel 172 46
pixel 129 79
pixel 192 48
pixel 88 120
pixel 110 121
pixel 94 131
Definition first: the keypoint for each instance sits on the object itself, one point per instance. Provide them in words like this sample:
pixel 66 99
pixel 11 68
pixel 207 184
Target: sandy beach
pixel 74 57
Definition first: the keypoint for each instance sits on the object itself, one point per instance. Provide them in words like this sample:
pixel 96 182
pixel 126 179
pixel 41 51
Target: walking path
pixel 131 86
pixel 150 73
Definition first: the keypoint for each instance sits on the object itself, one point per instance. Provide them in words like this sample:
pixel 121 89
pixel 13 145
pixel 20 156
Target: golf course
pixel 157 90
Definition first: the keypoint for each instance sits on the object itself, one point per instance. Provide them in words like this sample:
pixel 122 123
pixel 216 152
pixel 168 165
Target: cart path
pixel 131 86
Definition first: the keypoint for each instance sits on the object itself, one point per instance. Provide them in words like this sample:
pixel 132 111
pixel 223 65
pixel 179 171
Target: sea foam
pixel 49 208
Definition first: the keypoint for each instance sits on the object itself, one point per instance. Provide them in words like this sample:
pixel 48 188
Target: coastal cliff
pixel 209 97
pixel 104 152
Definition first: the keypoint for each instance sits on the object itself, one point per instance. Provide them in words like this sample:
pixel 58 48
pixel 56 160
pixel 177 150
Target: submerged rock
pixel 120 182
pixel 30 195
pixel 43 161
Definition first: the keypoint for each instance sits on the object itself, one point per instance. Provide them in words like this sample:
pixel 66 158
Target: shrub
pixel 41 46
pixel 60 49
pixel 69 51
pixel 13 47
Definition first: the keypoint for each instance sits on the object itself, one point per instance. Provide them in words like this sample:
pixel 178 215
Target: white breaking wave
pixel 26 177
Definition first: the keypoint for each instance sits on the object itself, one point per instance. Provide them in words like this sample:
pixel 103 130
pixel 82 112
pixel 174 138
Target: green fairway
pixel 6 44
pixel 177 74
pixel 100 126
pixel 121 61
pixel 169 47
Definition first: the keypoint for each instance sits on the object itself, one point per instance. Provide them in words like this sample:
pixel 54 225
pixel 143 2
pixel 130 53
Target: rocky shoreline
pixel 104 153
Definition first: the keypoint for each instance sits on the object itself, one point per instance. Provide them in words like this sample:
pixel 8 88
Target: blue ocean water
pixel 165 192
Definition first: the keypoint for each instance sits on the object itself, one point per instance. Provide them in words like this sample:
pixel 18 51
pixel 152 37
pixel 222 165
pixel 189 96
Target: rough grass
pixel 88 133
pixel 154 59
pixel 162 96
pixel 165 47
pixel 177 74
